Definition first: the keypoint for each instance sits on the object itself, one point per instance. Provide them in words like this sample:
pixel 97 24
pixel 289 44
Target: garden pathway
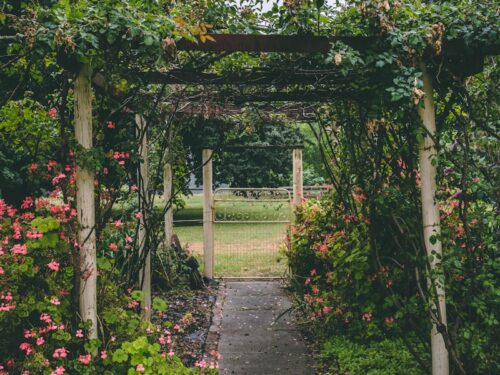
pixel 251 340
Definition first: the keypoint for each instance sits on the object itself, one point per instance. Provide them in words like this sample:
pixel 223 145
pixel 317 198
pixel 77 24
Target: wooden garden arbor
pixel 326 85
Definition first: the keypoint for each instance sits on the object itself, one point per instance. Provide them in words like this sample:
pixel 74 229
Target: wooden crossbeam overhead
pixel 273 43
pixel 247 77
pixel 296 112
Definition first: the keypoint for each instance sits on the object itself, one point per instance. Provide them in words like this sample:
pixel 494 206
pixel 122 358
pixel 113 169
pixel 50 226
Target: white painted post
pixel 145 273
pixel 208 224
pixel 430 217
pixel 298 181
pixel 167 196
pixel 85 202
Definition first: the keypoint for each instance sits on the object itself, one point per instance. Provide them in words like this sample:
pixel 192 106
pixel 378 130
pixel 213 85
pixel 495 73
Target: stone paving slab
pixel 251 341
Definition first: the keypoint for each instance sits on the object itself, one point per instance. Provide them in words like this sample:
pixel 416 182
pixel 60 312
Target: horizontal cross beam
pixel 273 43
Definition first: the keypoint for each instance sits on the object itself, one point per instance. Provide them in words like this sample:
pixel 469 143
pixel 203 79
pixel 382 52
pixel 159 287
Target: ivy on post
pixel 431 223
pixel 144 253
pixel 85 202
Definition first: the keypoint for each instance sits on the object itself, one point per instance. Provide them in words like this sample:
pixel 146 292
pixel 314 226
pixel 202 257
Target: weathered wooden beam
pixel 431 221
pixel 247 77
pixel 274 43
pixel 145 253
pixel 85 202
pixel 298 178
pixel 260 147
pixel 208 215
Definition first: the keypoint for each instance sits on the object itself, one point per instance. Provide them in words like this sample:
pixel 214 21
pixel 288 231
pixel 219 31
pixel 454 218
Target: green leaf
pixel 159 304
pixel 120 356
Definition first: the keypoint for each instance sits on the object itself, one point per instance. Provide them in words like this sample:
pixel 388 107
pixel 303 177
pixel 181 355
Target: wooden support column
pixel 85 202
pixel 208 217
pixel 298 184
pixel 167 195
pixel 431 219
pixel 145 273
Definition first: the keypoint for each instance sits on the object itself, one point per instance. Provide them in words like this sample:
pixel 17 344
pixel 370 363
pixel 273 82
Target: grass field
pixel 242 248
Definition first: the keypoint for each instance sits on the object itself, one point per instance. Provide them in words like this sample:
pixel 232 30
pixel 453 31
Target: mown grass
pixel 243 249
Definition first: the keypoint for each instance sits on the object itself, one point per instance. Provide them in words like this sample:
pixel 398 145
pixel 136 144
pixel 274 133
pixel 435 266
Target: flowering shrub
pixel 41 332
pixel 357 276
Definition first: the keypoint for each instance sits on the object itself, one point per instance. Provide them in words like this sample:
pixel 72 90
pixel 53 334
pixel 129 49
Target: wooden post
pixel 85 202
pixel 298 184
pixel 145 274
pixel 208 224
pixel 167 195
pixel 431 219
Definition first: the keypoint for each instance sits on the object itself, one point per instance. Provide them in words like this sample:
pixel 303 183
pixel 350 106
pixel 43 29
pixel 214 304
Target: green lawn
pixel 242 249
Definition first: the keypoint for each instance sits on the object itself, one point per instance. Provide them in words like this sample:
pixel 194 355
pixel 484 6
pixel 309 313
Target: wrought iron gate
pixel 250 227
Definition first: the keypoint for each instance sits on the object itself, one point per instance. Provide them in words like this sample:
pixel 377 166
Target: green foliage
pixel 245 167
pixel 386 357
pixel 140 352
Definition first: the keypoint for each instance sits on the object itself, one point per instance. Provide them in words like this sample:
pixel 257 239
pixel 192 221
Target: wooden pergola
pixel 466 60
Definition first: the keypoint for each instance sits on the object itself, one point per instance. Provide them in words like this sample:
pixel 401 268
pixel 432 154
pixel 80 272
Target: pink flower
pixel 389 320
pixel 133 304
pixel 40 341
pixel 19 249
pixel 85 359
pixel 113 246
pixel 79 333
pixel 26 347
pixel 134 188
pixel 128 238
pixel 60 353
pixel 52 112
pixel 367 316
pixel 140 368
pixel 33 167
pixel 326 310
pixel 104 354
pixel 118 223
pixel 54 266
pixel 27 203
pixel 110 125
pixel 60 370
pixel 313 272
pixel 2 271
pixel 46 318
pixel 138 215
pixel 55 301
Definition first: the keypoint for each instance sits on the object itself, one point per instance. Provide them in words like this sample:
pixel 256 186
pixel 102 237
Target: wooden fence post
pixel 85 202
pixel 298 183
pixel 145 274
pixel 167 196
pixel 431 219
pixel 208 225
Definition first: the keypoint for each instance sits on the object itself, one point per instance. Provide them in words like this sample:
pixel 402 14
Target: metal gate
pixel 250 227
